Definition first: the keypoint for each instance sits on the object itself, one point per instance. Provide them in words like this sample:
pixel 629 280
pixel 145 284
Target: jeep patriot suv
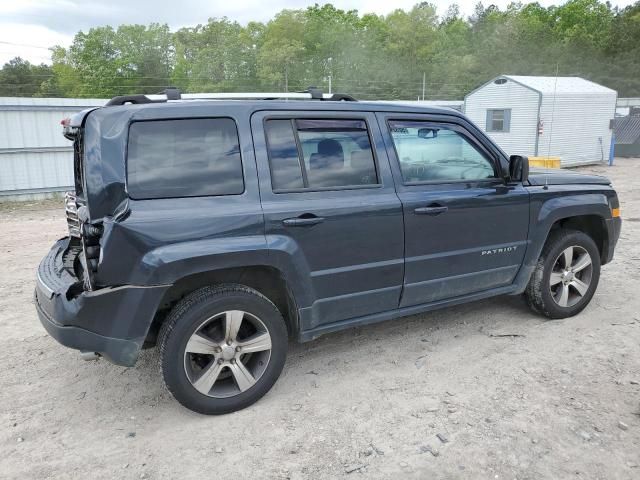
pixel 218 227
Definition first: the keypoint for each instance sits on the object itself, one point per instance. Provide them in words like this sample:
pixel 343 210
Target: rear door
pixel 465 229
pixel 330 206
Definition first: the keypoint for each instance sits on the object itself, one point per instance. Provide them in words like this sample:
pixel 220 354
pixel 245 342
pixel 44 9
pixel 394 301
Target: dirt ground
pixel 484 390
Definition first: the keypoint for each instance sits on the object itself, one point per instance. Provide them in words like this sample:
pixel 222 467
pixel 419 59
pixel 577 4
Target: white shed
pixel 566 117
pixel 34 156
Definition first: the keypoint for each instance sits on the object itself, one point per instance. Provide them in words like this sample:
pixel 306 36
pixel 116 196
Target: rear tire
pixel 222 348
pixel 566 275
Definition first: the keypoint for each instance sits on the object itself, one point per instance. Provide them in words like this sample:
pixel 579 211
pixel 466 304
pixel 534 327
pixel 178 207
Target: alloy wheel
pixel 571 276
pixel 227 354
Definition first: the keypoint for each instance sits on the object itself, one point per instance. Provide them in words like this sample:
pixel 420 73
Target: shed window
pixel 498 120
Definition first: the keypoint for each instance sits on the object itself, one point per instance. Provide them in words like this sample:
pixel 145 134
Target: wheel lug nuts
pixel 233 360
pixel 238 349
pixel 220 361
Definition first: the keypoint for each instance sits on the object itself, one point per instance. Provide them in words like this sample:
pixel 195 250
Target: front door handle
pixel 431 210
pixel 302 221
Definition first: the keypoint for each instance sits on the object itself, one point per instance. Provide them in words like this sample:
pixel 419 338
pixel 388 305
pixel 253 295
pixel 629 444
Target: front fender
pixel 549 206
pixel 558 208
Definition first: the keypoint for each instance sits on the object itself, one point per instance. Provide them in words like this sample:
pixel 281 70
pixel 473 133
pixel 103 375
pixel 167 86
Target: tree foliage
pixel 369 56
pixel 19 78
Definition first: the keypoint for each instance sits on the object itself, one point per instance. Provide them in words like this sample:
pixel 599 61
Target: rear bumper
pixel 116 350
pixel 112 321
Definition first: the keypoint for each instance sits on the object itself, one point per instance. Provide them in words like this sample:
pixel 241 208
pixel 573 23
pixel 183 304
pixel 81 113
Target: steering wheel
pixel 414 170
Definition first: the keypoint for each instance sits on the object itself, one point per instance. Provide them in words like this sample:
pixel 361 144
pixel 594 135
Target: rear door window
pixel 184 158
pixel 314 154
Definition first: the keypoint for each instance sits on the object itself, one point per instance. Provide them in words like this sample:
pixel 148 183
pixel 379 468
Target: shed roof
pixel 575 85
pixel 457 104
pixel 627 130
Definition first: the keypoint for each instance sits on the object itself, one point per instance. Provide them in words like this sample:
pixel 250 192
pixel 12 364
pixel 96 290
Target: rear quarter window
pixel 184 158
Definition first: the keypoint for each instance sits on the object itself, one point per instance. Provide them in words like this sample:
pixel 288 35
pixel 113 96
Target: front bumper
pixel 112 321
pixel 614 226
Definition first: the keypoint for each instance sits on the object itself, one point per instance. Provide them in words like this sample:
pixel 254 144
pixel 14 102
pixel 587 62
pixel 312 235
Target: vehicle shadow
pixel 415 334
pixel 482 316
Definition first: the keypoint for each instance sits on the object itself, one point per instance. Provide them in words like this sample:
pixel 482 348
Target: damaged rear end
pixel 83 250
pixel 75 305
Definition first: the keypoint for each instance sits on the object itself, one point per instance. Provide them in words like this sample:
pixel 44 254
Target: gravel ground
pixel 484 390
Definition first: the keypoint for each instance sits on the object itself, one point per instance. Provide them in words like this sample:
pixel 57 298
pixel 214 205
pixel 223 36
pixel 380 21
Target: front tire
pixel 566 275
pixel 222 348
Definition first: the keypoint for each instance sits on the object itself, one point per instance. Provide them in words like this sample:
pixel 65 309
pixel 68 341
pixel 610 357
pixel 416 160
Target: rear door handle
pixel 431 210
pixel 302 222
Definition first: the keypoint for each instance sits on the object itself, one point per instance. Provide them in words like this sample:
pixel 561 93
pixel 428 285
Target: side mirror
pixel 518 168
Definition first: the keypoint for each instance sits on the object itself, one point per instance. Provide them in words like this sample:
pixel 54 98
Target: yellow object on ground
pixel 544 162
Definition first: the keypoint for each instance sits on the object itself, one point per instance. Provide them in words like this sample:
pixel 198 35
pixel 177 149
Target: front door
pixel 465 229
pixel 330 207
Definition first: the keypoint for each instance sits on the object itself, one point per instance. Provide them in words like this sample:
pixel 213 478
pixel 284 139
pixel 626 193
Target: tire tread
pixel 534 290
pixel 182 307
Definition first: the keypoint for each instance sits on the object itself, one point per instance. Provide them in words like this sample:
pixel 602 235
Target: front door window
pixel 433 153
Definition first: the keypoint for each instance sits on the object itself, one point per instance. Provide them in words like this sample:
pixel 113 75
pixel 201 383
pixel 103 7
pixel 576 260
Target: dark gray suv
pixel 218 228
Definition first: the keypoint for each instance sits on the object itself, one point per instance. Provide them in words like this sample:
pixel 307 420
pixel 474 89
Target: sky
pixel 29 27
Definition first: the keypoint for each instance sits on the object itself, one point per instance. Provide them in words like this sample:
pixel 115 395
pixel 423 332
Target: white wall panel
pixel 576 127
pixel 36 170
pixel 523 102
pixel 33 153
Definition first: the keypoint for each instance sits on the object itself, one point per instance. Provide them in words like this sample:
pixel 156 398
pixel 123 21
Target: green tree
pixel 282 60
pixel 19 78
pixel 218 56
pixel 106 62
pixel 369 56
pixel 277 63
pixel 623 53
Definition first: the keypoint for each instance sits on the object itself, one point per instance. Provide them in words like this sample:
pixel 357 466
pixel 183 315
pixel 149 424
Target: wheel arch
pixel 592 225
pixel 265 279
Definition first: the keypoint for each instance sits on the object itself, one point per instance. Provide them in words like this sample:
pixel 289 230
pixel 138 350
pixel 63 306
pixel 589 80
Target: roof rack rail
pixel 171 94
